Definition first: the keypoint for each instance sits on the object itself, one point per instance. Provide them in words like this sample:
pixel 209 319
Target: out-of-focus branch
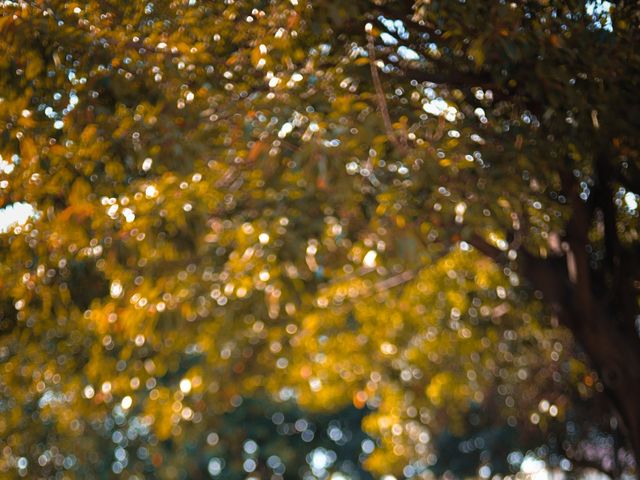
pixel 380 98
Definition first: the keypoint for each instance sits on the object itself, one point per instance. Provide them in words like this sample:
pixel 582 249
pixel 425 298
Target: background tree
pixel 387 204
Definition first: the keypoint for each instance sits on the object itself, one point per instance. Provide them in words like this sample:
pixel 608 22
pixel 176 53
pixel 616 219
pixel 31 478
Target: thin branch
pixel 395 281
pixel 457 79
pixel 380 97
pixel 484 247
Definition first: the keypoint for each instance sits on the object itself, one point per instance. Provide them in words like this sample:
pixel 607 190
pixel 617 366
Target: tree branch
pixel 382 104
pixel 484 247
pixel 451 78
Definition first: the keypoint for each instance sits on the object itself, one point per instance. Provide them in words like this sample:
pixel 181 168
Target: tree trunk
pixel 615 354
pixel 600 326
pixel 601 318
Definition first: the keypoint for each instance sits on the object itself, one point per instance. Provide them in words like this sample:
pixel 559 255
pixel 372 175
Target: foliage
pixel 337 203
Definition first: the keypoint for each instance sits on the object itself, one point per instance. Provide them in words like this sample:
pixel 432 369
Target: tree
pixel 565 125
pixel 384 203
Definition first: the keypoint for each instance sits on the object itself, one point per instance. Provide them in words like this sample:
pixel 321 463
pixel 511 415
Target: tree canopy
pixel 403 236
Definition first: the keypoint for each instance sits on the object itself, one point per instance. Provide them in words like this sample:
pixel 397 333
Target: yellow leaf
pixel 34 67
pixel 28 149
pixel 89 133
pixel 477 52
pixel 80 190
